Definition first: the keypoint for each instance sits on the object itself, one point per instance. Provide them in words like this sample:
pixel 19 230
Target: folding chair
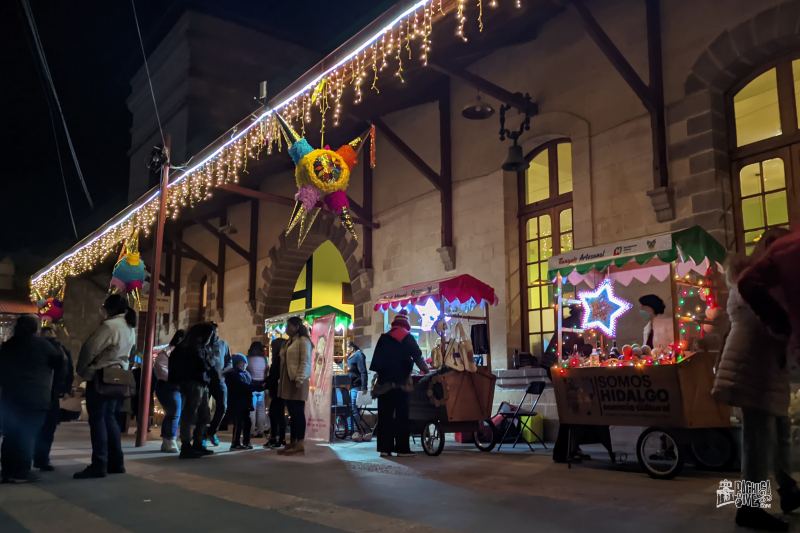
pixel 535 390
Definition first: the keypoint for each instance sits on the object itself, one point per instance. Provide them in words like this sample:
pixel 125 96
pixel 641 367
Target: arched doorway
pixel 324 280
pixel 199 301
pixel 288 261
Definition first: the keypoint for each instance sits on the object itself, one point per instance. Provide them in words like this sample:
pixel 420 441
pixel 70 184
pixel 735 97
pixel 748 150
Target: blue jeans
pixel 169 396
pixel 104 431
pixel 354 423
pixel 258 417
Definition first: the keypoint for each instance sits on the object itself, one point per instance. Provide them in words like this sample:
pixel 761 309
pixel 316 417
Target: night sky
pixel 92 51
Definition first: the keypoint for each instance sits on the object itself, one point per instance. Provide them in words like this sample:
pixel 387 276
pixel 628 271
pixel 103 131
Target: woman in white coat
pixel 109 346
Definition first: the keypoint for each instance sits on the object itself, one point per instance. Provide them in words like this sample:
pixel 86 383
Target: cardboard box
pixel 670 395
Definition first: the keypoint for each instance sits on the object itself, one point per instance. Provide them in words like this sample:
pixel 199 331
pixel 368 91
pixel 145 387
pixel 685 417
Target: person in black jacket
pixel 393 359
pixel 277 417
pixel 62 384
pixel 359 381
pixel 27 365
pixel 240 401
pixel 191 366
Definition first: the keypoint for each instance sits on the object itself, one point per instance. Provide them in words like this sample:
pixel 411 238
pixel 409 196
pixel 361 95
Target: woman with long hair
pixel 258 366
pixel 277 407
pixel 293 386
pixel 752 374
pixel 108 347
pixel 169 395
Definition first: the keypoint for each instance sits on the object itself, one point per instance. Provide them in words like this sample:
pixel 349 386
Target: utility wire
pixel 46 70
pixel 61 169
pixel 147 71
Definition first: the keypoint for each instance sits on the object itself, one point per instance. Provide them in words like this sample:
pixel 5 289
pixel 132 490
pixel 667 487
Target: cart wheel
pixel 714 449
pixel 485 437
pixel 340 427
pixel 659 453
pixel 432 438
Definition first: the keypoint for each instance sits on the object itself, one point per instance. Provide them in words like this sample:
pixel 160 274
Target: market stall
pixel 457 396
pixel 276 327
pixel 649 368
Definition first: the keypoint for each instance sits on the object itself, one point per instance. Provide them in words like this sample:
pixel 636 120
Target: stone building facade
pixel 711 50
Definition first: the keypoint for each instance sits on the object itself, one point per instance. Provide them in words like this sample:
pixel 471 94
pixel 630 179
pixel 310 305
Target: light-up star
pixel 429 313
pixel 602 308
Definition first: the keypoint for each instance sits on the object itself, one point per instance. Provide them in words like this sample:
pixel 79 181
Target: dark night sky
pixel 92 51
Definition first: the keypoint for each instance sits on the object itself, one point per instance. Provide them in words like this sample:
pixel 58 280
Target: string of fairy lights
pixel 405 39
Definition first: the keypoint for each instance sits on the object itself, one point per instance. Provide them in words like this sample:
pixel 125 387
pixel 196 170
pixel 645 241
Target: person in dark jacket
pixel 191 367
pixel 240 401
pixel 27 365
pixel 62 384
pixel 359 380
pixel 277 407
pixel 393 360
pixel 216 387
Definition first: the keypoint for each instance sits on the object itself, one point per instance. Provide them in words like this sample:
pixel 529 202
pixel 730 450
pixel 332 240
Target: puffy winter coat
pixel 27 365
pixel 109 345
pixel 752 372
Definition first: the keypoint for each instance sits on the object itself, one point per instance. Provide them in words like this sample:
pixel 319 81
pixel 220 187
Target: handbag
pixel 451 357
pixel 114 381
pixel 437 359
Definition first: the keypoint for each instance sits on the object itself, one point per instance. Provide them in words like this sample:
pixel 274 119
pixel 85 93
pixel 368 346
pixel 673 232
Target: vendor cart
pixel 449 400
pixel 664 388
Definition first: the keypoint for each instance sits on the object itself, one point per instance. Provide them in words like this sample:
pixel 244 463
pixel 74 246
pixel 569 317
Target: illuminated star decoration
pixel 602 308
pixel 429 314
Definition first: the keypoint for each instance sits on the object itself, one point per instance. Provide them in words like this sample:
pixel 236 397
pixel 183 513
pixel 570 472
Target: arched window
pixel 765 135
pixel 545 193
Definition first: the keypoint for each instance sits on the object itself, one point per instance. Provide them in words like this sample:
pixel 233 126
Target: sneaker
pixel 357 437
pixel 298 449
pixel 366 437
pixel 286 449
pixel 44 467
pixel 118 470
pixel 386 454
pixel 214 441
pixel 235 447
pixel 188 452
pixel 89 473
pixel 169 446
pixel 406 454
pixel 755 518
pixel 246 447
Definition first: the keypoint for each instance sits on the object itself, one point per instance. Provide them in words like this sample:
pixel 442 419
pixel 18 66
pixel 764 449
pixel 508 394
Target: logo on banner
pixel 743 493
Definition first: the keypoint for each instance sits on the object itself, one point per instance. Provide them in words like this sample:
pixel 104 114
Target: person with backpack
pixel 393 360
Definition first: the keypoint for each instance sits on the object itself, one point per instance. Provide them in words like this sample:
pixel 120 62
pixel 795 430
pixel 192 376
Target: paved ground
pixel 346 487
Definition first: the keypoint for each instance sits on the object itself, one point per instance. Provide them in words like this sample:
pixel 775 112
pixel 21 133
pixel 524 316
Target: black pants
pixel 194 413
pixel 20 426
pixel 393 432
pixel 241 427
pixel 277 419
pixel 104 431
pixel 219 391
pixel 297 412
pixel 44 440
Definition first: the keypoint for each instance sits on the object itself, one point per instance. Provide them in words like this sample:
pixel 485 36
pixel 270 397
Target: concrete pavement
pixel 347 487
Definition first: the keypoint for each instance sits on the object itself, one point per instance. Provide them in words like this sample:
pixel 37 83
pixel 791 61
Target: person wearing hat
pixel 240 401
pixel 658 329
pixel 393 360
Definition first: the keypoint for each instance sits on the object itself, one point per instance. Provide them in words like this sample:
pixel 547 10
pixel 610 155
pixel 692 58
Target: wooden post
pixel 251 281
pixel 221 249
pixel 366 260
pixel 143 419
pixel 176 282
pixel 446 171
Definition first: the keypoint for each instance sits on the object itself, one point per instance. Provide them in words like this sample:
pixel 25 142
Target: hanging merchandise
pixel 320 174
pixel 129 273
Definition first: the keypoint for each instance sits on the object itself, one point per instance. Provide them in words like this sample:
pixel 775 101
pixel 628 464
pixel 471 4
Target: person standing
pixel 168 394
pixel 62 384
pixel 27 366
pixel 293 386
pixel 277 407
pixel 240 401
pixel 752 374
pixel 393 360
pixel 191 367
pixel 357 368
pixel 216 388
pixel 109 346
pixel 258 367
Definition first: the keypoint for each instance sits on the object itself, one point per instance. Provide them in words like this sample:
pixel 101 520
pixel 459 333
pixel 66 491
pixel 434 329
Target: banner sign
pixel 318 406
pixel 608 252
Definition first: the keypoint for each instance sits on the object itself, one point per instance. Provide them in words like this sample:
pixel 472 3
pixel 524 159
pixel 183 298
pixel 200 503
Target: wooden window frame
pixel 551 206
pixel 785 146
